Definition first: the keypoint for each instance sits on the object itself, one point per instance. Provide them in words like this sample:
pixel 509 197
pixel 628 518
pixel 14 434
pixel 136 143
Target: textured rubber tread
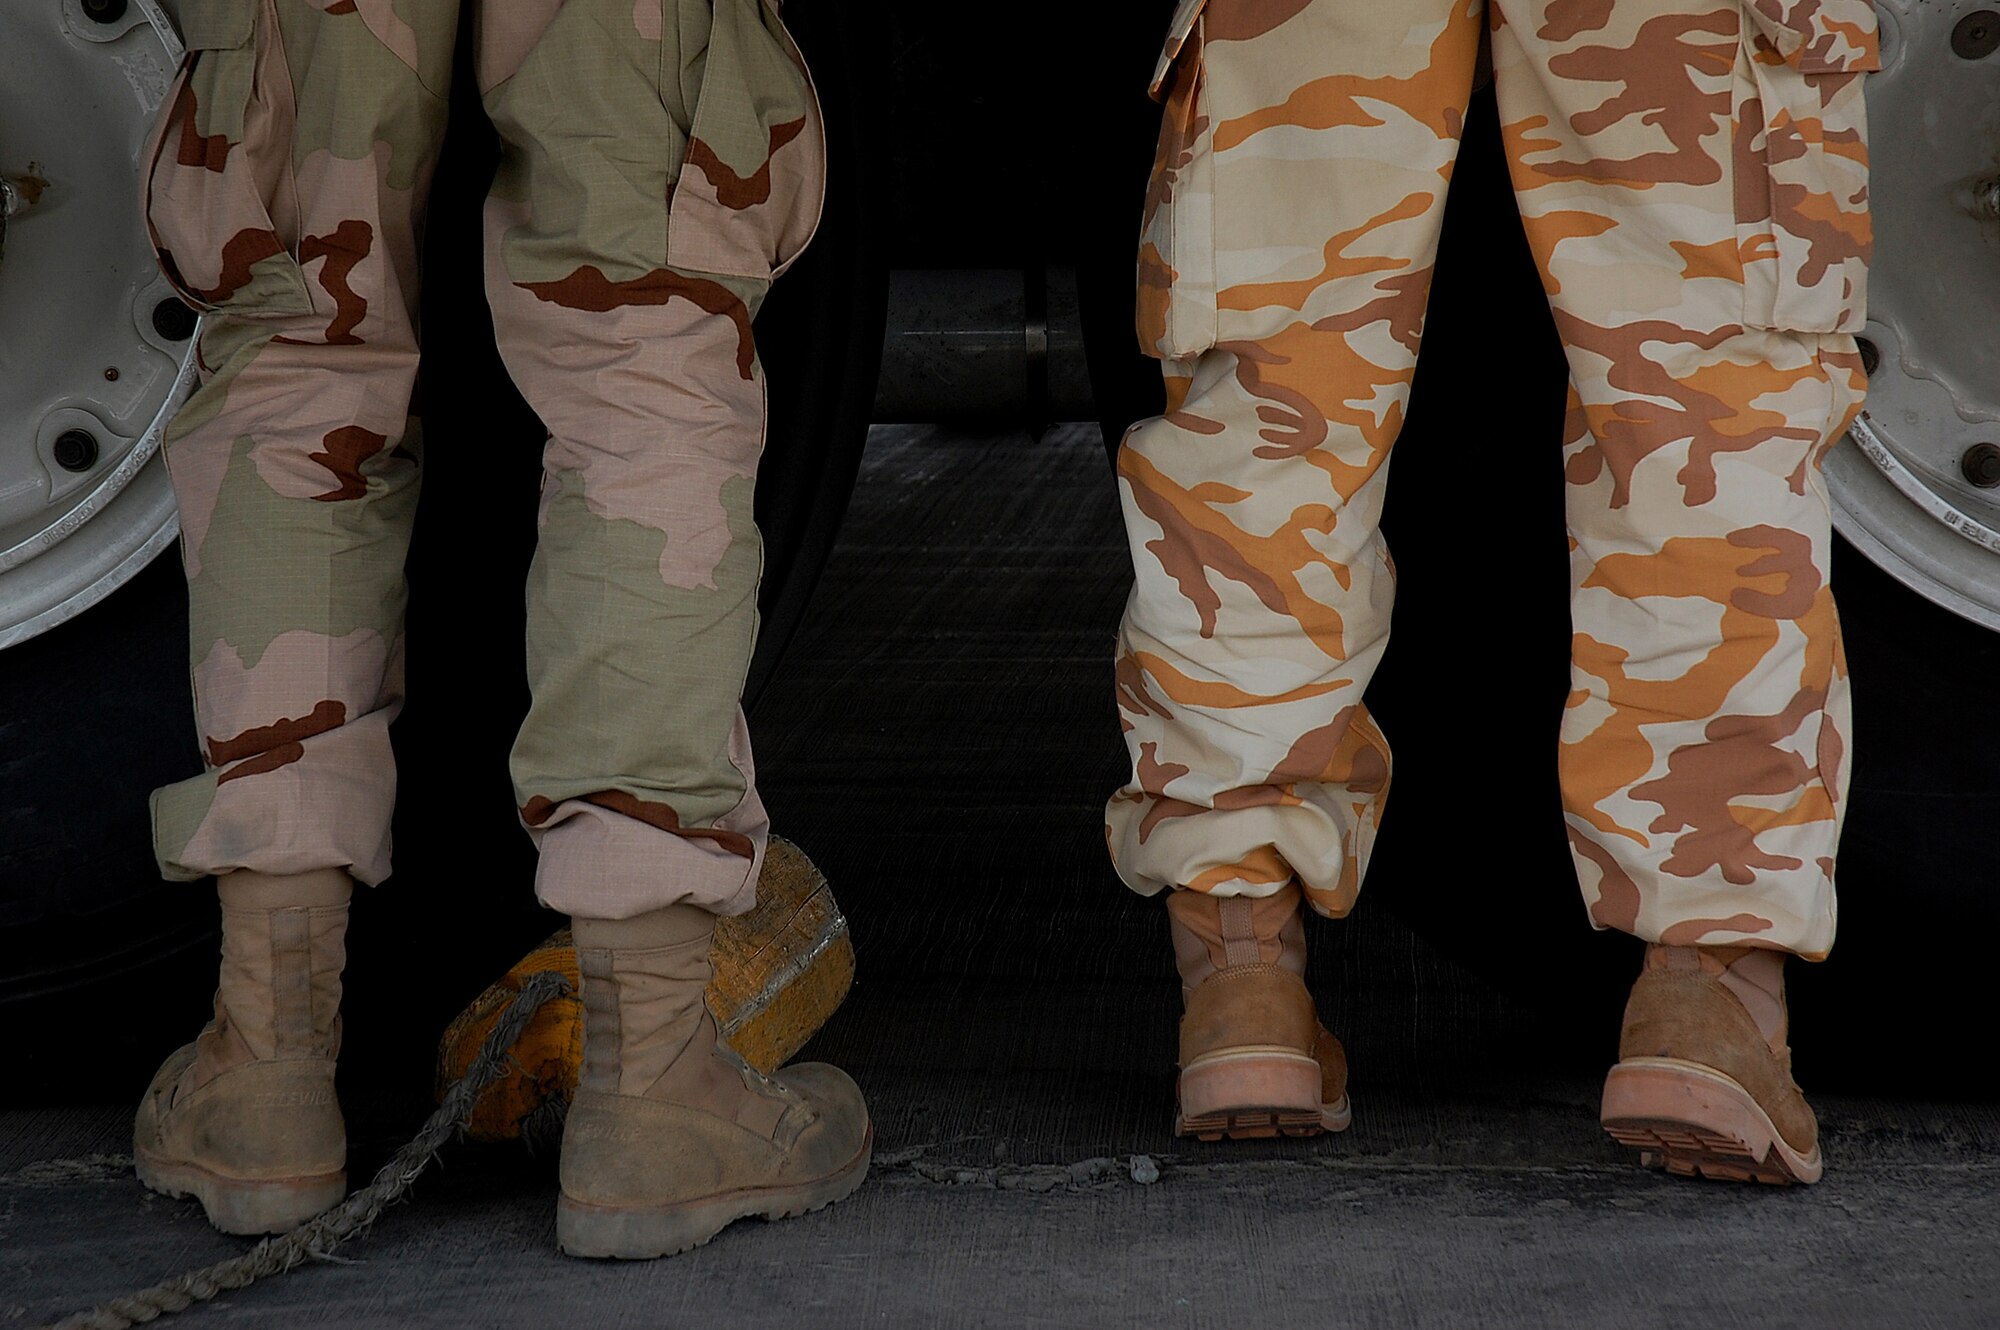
pixel 1693 1121
pixel 1253 1092
pixel 631 1233
pixel 237 1205
pixel 1247 1124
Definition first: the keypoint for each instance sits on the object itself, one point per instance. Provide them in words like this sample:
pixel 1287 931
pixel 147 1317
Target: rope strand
pixel 317 1238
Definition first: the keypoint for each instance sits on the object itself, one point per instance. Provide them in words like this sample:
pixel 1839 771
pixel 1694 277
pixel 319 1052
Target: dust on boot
pixel 1254 1058
pixel 1704 1082
pixel 672 1137
pixel 245 1119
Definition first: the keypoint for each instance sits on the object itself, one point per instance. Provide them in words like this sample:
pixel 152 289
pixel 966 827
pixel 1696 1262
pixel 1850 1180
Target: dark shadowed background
pixel 939 734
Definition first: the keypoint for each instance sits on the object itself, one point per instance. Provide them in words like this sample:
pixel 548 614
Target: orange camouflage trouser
pixel 1693 179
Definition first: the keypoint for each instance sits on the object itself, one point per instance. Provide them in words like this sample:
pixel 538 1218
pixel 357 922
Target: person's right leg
pixel 286 199
pixel 660 164
pixel 1292 223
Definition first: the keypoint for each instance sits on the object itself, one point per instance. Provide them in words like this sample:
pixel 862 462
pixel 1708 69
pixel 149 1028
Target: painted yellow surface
pixel 781 971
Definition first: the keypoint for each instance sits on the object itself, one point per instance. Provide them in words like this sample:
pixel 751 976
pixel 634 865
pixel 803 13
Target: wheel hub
pixel 1917 485
pixel 95 350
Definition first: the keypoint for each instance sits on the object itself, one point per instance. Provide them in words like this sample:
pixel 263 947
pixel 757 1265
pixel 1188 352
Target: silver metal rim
pixel 1898 481
pixel 98 530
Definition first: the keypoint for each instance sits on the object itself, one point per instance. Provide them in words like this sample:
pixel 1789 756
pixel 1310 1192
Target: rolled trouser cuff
pixel 1318 841
pixel 600 864
pixel 330 806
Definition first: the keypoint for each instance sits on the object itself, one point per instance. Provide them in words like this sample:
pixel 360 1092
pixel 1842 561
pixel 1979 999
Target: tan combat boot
pixel 671 1137
pixel 1704 1083
pixel 1255 1060
pixel 244 1119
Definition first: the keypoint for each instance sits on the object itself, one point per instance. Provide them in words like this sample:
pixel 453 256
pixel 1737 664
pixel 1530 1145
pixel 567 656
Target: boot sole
pixel 635 1233
pixel 1256 1093
pixel 1694 1121
pixel 240 1206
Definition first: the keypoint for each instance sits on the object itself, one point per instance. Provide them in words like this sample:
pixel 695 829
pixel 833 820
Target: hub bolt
pixel 173 320
pixel 1977 35
pixel 104 11
pixel 1981 465
pixel 76 450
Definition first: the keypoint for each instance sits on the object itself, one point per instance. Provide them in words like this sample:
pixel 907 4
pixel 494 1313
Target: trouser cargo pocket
pixel 1801 150
pixel 750 191
pixel 1177 276
pixel 219 196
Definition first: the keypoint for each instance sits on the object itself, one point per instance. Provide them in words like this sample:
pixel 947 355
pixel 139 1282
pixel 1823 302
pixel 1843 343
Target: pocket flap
pixel 750 191
pixel 1177 34
pixel 1820 36
pixel 216 25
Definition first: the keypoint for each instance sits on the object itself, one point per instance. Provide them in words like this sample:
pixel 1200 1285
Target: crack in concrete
pixel 909 1165
pixel 1140 1170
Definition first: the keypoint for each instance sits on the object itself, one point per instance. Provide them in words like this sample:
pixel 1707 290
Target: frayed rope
pixel 317 1238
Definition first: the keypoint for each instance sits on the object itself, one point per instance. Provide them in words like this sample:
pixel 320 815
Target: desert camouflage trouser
pixel 661 162
pixel 1692 174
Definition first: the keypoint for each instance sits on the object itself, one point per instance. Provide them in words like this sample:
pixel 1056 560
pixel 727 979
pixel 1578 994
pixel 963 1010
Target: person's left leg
pixel 660 164
pixel 1693 178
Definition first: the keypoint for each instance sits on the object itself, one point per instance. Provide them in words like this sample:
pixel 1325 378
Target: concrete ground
pixel 940 740
pixel 1424 1214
